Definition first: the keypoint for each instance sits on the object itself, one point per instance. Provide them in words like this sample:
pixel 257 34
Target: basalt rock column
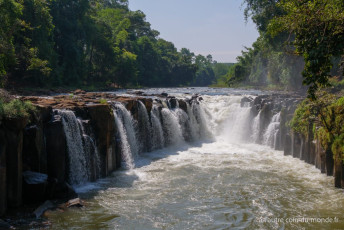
pixel 14 138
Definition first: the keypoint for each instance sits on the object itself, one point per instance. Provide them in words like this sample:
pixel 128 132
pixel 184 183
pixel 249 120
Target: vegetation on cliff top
pixel 323 118
pixel 15 109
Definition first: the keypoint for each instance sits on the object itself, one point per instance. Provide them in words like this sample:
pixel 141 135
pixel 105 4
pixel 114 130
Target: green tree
pixel 319 36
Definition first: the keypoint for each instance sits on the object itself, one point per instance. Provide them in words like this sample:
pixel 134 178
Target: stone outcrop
pixel 297 145
pixel 38 145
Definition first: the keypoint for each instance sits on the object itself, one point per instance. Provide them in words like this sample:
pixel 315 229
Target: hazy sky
pixel 215 27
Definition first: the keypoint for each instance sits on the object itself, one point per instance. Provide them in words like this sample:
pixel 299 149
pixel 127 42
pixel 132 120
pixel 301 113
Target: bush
pixel 15 108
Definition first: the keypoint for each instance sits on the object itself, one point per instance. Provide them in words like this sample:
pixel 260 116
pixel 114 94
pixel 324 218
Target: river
pixel 221 181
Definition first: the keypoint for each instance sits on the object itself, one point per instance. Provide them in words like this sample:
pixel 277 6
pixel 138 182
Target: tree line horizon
pixel 48 43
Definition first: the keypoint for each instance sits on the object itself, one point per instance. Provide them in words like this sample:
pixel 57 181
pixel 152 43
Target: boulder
pixel 34 187
pixel 47 205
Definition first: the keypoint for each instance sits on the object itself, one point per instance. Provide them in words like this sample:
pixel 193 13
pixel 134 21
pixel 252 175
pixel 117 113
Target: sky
pixel 215 27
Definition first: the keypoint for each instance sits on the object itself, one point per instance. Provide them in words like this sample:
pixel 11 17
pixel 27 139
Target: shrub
pixel 15 108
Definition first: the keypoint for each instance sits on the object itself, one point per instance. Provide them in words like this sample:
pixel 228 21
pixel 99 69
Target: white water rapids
pixel 221 181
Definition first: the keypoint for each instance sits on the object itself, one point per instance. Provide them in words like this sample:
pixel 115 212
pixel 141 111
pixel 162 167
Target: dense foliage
pixel 15 109
pixel 323 118
pixel 318 28
pixel 296 36
pixel 267 63
pixel 97 42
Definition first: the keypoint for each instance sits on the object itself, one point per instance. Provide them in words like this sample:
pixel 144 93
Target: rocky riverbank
pixel 34 158
pixel 80 137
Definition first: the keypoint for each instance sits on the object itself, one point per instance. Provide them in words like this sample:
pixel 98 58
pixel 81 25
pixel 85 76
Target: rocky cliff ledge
pixel 306 148
pixel 34 162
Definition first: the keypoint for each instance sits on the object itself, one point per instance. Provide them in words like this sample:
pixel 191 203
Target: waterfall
pixel 256 128
pixel 172 129
pixel 184 123
pixel 200 120
pixel 144 128
pixel 91 154
pixel 127 136
pixel 238 123
pixel 157 131
pixel 194 126
pixel 78 173
pixel 272 130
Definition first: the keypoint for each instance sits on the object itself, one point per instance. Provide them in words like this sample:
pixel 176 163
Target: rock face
pixel 308 148
pixel 38 145
pixel 103 122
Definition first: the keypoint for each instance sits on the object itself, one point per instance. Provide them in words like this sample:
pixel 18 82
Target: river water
pixel 223 181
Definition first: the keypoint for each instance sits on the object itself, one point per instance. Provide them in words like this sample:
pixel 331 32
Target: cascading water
pixel 200 119
pixel 144 128
pixel 157 131
pixel 78 173
pixel 237 126
pixel 91 154
pixel 172 129
pixel 184 123
pixel 127 136
pixel 229 183
pixel 256 128
pixel 272 130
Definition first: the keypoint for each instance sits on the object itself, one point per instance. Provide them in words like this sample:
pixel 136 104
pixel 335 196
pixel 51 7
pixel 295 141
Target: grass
pixel 103 101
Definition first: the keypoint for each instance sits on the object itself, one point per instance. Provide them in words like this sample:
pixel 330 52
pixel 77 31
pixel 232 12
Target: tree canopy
pixel 301 41
pixel 90 42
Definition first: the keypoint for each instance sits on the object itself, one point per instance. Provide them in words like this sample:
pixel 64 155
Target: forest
pixel 102 43
pixel 92 43
pixel 301 41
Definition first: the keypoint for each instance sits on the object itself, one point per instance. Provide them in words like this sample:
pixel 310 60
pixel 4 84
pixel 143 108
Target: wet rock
pixel 102 120
pixel 164 94
pixel 79 91
pixel 14 139
pixel 320 157
pixel 34 186
pixel 75 203
pixel 148 102
pixel 173 102
pixel 182 105
pixel 338 167
pixel 137 92
pixel 4 225
pixel 59 190
pixel 246 100
pixel 288 145
pixel 47 205
pixel 296 145
pixel 329 162
pixel 56 146
pixel 34 151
